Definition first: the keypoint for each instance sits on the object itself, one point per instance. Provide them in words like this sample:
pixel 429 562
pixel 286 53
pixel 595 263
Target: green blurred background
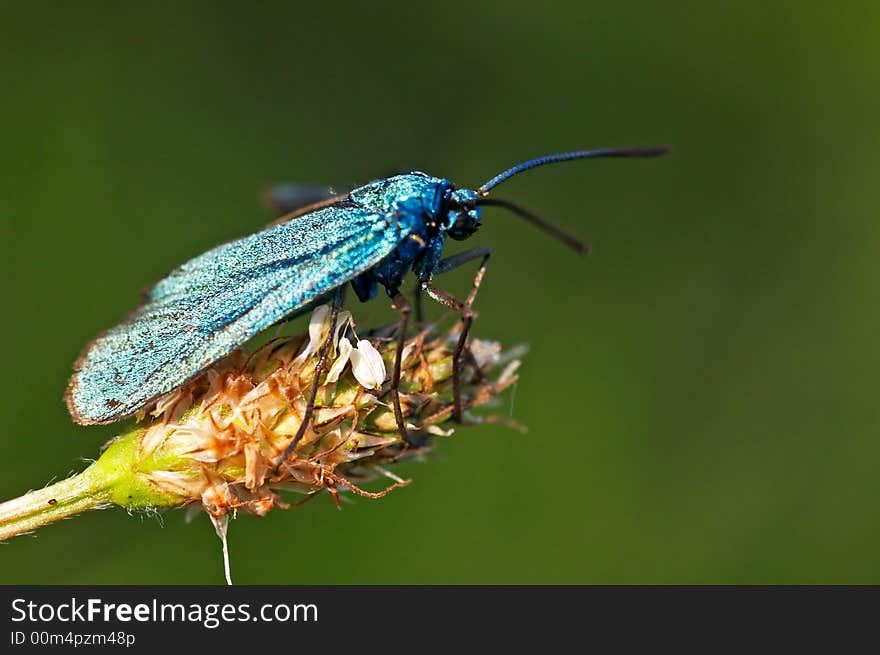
pixel 700 391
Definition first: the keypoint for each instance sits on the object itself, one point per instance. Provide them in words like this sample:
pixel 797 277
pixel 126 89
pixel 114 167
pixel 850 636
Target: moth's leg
pixel 418 305
pixel 338 295
pixel 456 261
pixel 400 304
pixel 464 310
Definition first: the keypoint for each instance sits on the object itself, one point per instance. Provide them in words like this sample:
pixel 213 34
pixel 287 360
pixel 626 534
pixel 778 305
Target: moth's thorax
pixel 418 204
pixel 416 195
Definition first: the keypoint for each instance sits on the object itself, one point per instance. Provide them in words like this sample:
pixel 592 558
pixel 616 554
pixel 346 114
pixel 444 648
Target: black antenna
pixel 567 156
pixel 551 229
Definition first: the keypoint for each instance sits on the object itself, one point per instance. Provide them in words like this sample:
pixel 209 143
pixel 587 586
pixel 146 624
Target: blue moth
pixel 371 237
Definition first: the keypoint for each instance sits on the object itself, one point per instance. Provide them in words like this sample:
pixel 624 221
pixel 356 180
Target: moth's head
pixel 462 214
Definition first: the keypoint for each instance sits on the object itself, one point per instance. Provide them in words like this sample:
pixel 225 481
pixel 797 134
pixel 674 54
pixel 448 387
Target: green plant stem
pixel 38 508
pixel 115 479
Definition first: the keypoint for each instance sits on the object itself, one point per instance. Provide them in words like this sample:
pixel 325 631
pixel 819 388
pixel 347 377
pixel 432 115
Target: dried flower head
pixel 215 441
pixel 220 435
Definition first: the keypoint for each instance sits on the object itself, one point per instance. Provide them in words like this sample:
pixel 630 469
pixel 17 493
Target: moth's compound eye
pixel 465 224
pixel 463 214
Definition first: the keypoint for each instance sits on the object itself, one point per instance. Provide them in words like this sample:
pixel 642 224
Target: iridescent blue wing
pixel 211 305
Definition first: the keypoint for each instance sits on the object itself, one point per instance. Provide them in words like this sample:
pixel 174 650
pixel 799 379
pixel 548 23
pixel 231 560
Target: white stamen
pixel 343 321
pixel 407 351
pixel 438 431
pixel 319 332
pixel 388 474
pixel 220 525
pixel 339 363
pixel 508 371
pixel 318 324
pixel 485 352
pixel 367 365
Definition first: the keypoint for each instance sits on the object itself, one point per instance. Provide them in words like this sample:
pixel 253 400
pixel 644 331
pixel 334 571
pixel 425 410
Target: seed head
pixel 216 440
